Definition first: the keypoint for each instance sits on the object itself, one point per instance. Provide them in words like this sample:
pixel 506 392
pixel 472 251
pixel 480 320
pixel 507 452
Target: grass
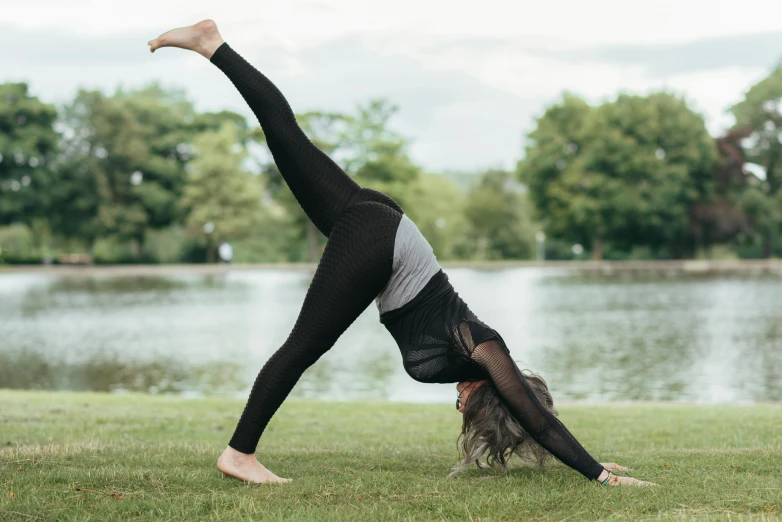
pixel 80 456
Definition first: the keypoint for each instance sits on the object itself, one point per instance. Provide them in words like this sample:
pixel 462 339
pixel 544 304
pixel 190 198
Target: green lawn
pixel 69 456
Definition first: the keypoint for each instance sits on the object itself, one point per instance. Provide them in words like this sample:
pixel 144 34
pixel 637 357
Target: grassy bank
pixel 93 456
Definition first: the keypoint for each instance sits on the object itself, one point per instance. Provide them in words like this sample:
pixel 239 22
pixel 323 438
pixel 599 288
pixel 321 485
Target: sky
pixel 469 77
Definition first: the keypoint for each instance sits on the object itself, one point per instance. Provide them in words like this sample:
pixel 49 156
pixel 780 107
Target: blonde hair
pixel 490 429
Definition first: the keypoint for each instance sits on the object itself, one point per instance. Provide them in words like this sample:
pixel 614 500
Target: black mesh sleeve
pixel 543 426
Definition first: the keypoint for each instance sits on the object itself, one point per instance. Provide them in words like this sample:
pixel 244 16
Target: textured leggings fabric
pixel 356 264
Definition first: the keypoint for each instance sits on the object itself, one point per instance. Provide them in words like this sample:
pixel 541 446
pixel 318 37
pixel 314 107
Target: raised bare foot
pixel 246 467
pixel 202 38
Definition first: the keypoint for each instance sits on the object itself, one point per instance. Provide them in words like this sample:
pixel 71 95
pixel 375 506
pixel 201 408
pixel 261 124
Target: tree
pixel 761 113
pixel 497 212
pixel 435 204
pixel 553 166
pixel 627 172
pixel 124 159
pixel 222 199
pixel 28 145
pixel 123 163
pixel 377 156
pixel 103 147
pixel 721 218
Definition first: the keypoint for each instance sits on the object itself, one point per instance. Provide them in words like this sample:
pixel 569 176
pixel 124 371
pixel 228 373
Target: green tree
pixel 627 172
pixel 435 204
pixel 377 155
pixel 761 113
pixel 28 146
pixel 221 198
pixel 103 146
pixel 497 212
pixel 764 213
pixel 721 218
pixel 123 162
pixel 555 154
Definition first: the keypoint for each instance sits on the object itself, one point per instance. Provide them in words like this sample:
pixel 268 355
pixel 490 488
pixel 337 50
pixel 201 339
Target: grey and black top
pixel 375 253
pixel 413 266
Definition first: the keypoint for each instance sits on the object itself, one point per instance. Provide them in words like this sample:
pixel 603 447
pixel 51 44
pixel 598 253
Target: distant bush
pixel 168 245
pixel 18 245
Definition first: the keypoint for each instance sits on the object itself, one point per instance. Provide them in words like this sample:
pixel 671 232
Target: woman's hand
pixel 613 466
pixel 616 480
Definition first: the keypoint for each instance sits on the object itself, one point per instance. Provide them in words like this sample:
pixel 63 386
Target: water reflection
pixel 651 336
pixel 27 370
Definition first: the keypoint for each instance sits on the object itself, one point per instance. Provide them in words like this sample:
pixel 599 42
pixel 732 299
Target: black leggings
pixel 356 264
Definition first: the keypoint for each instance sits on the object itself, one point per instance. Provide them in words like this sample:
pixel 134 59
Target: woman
pixel 374 252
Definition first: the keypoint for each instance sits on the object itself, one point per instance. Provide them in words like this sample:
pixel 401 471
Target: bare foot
pixel 246 467
pixel 202 38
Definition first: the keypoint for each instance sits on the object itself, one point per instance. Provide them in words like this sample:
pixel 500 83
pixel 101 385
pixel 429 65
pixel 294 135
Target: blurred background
pixel 601 181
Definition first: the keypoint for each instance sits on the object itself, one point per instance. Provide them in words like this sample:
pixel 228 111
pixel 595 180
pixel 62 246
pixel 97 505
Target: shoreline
pixel 759 266
pixel 241 398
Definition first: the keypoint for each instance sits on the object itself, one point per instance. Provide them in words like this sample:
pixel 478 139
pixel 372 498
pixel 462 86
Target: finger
pixel 613 466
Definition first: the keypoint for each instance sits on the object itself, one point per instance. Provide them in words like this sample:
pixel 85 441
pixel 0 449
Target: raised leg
pixel 320 186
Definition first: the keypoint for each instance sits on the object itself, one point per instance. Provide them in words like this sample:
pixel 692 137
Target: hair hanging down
pixel 491 429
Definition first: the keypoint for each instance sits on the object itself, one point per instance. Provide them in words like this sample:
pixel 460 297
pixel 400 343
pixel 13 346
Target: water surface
pixel 602 338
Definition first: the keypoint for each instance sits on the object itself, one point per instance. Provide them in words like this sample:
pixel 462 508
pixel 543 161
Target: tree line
pixel 140 176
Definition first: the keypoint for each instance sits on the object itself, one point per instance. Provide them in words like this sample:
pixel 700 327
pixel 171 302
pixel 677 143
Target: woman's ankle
pixel 233 454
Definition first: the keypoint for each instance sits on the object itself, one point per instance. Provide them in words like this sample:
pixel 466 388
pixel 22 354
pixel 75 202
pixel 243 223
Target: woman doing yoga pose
pixel 375 253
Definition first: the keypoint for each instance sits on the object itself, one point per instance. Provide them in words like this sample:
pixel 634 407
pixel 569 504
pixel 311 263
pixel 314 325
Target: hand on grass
pixel 613 466
pixel 617 480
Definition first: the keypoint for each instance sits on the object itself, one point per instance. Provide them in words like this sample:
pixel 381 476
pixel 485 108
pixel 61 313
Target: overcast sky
pixel 469 76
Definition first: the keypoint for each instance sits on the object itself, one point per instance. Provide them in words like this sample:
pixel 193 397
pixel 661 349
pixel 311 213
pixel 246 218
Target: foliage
pixel 628 171
pixel 18 245
pixel 499 216
pixel 760 113
pixel 122 164
pixel 117 176
pixel 28 146
pixel 435 204
pixel 222 200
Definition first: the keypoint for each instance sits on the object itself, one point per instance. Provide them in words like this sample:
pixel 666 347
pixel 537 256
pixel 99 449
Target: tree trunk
pixel 768 244
pixel 91 240
pixel 483 242
pixel 597 250
pixel 138 255
pixel 210 254
pixel 312 242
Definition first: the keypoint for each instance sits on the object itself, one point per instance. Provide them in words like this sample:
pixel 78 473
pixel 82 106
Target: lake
pixel 667 336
